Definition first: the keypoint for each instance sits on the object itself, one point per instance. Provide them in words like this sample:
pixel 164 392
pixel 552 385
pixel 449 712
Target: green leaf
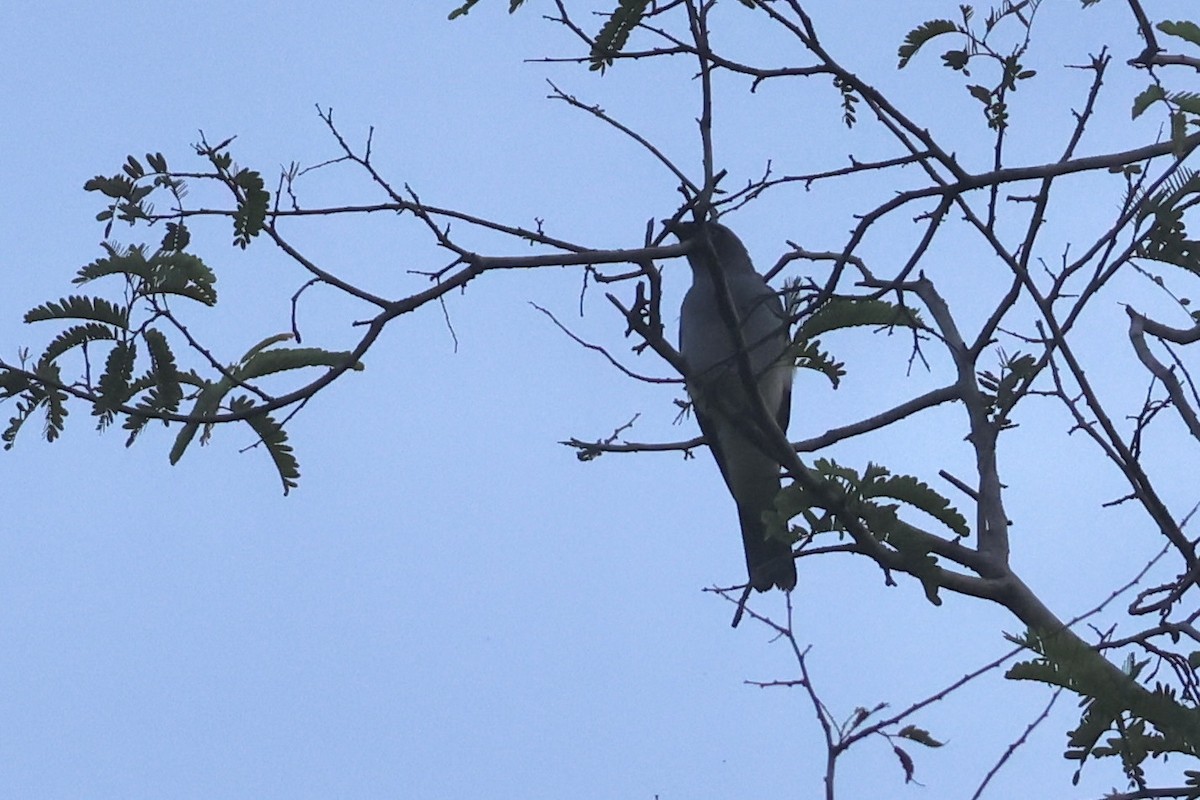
pixel 918 36
pixel 845 494
pixel 167 392
pixel 906 762
pixel 207 403
pixel 808 355
pixel 1003 392
pixel 1111 703
pixel 957 60
pixel 251 213
pixel 907 489
pixel 79 307
pixel 176 238
pixel 12 383
pixel 1148 97
pixel 133 168
pixel 73 337
pixel 1188 31
pixel 182 274
pixel 829 468
pixel 55 401
pixel 164 273
pixel 117 187
pixel 615 34
pixel 42 392
pixel 273 436
pixel 462 10
pixel 132 211
pixel 913 733
pixel 162 395
pixel 1163 203
pixel 258 362
pixel 157 161
pixel 267 362
pixel 849 312
pixel 25 406
pixel 130 263
pixel 114 383
pixel 264 344
pixel 140 193
pixel 1178 134
pixel 981 93
pixel 849 101
pixel 1188 102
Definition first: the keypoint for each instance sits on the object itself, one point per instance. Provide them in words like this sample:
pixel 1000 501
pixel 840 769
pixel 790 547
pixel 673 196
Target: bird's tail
pixel 768 561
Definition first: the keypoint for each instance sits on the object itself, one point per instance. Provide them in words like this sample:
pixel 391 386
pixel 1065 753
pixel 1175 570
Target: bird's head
pixel 730 252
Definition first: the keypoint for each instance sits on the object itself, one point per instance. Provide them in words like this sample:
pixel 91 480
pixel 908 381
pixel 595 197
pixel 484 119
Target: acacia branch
pixel 1137 331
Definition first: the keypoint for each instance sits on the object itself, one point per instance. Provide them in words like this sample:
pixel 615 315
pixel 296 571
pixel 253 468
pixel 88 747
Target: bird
pixel 718 392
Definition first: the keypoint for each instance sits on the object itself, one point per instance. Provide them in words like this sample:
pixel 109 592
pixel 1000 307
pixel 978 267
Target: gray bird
pixel 719 394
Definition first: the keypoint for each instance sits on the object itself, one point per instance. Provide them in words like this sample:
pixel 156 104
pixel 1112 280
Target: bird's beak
pixel 678 227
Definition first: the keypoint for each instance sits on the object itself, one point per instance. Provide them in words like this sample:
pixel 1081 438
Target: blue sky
pixel 451 604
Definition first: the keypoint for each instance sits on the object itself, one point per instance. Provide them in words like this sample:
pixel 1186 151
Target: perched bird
pixel 718 391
